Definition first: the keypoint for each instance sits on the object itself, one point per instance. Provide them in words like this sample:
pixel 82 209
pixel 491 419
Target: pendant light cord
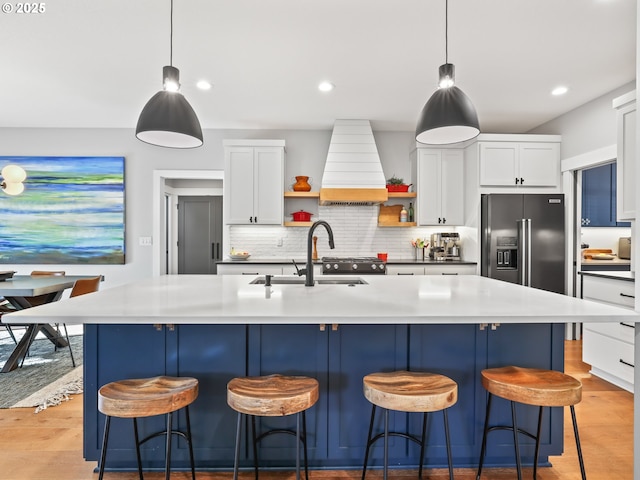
pixel 171 36
pixel 446 31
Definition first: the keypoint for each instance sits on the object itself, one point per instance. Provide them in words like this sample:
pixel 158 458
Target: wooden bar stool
pixel 146 397
pixel 408 392
pixel 272 396
pixel 531 386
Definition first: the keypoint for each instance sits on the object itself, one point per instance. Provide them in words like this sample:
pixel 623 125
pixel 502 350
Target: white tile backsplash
pixel 355 230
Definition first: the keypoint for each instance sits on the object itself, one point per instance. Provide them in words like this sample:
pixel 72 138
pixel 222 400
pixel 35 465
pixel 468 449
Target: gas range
pixel 360 265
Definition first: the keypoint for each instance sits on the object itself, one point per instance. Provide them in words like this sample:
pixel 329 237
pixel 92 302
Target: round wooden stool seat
pixel 532 386
pixel 272 395
pixel 145 397
pixel 410 391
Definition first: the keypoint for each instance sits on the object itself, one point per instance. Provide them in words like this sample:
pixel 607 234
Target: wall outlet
pixel 145 241
pixel 279 242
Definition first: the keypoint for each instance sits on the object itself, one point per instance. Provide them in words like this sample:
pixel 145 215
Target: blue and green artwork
pixel 71 212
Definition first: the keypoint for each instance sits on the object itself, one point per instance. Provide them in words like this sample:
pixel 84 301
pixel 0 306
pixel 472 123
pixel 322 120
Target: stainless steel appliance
pixel 359 265
pixel 523 239
pixel 624 248
pixel 444 246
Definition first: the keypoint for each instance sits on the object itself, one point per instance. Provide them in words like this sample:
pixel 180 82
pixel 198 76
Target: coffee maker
pixel 444 246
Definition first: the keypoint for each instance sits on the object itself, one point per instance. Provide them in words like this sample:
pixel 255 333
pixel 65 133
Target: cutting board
pixel 598 254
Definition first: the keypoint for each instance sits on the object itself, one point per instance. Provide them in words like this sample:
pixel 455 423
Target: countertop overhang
pixel 232 299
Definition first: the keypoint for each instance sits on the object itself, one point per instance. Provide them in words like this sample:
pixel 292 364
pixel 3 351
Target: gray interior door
pixel 199 234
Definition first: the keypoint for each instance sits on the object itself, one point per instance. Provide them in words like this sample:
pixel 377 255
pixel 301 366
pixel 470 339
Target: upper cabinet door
pixel 498 164
pixel 268 185
pixel 539 164
pixel 239 185
pixel 429 186
pixel 626 161
pixel 452 189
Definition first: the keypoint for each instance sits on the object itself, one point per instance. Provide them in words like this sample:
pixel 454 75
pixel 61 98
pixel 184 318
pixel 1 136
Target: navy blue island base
pixel 338 357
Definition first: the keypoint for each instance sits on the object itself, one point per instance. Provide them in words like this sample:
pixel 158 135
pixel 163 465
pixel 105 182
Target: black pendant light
pixel 167 120
pixel 448 116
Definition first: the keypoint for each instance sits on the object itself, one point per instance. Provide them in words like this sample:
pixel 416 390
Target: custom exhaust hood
pixel 353 173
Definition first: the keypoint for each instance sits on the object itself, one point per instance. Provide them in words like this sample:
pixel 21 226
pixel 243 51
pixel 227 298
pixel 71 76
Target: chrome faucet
pixel 308 271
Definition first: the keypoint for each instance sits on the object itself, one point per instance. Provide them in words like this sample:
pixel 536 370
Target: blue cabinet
pixel 338 358
pixel 211 353
pixel 599 197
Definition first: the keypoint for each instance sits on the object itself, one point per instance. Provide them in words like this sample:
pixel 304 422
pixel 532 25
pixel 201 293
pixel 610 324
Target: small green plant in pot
pixel 396 184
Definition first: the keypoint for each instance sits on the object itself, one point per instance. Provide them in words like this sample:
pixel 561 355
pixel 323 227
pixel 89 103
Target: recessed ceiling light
pixel 203 85
pixel 561 90
pixel 326 86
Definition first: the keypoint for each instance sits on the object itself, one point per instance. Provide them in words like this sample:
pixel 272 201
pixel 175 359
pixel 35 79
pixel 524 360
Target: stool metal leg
pixel 298 446
pixel 575 431
pixel 167 464
pixel 423 444
pixel 516 443
pixel 447 437
pixel 193 466
pixel 483 449
pixel 537 451
pixel 237 449
pixel 254 442
pixel 103 453
pixel 304 444
pixel 136 438
pixel 386 443
pixel 366 451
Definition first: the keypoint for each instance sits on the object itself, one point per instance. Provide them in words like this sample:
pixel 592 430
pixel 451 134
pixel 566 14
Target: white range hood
pixel 353 173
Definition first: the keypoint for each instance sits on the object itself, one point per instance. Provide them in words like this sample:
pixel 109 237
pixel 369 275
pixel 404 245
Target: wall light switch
pixel 145 241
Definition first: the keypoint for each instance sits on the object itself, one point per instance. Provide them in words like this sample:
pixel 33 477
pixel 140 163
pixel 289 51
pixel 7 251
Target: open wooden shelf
pixel 297 224
pixel 302 194
pixel 402 195
pixel 397 224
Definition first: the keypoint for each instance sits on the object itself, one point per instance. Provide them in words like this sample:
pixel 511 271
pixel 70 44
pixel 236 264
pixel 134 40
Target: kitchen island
pixel 218 327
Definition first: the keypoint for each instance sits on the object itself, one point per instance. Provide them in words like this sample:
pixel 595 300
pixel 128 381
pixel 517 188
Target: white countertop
pixel 231 299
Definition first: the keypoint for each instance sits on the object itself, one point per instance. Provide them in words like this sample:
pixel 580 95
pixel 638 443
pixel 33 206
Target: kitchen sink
pixel 275 280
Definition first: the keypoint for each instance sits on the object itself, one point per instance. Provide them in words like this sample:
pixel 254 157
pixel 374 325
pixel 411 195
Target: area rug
pixel 46 378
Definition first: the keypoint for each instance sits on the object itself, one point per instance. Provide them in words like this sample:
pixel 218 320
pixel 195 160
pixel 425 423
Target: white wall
pixel 306 152
pixel 588 127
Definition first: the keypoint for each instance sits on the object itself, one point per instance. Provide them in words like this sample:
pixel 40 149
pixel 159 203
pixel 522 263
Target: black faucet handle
pixel 267 280
pixel 299 271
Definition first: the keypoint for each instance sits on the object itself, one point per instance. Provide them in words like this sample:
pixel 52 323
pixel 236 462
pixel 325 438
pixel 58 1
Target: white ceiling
pixel 95 63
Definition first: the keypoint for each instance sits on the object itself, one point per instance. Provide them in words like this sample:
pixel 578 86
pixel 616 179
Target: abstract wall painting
pixel 71 212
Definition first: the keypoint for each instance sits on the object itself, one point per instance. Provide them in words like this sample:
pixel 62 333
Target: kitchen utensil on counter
pixel 301 216
pixel 590 253
pixel 302 184
pixel 624 248
pixel 238 254
pixel 382 256
pixel 314 256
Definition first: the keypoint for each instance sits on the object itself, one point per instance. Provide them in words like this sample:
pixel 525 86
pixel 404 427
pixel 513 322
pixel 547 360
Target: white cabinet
pixel 450 269
pixel 439 174
pixel 626 157
pixel 608 347
pixel 254 182
pixel 446 268
pixel 249 269
pixel 405 269
pixel 520 164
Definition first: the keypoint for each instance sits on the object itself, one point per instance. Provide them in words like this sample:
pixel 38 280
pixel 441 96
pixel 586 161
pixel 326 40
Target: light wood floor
pixel 48 445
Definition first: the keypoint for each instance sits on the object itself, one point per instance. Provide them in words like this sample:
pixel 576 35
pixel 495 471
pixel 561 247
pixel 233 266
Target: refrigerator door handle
pixel 522 251
pixel 528 223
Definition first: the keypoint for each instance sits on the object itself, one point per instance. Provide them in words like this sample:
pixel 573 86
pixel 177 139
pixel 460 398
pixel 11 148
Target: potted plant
pixel 395 184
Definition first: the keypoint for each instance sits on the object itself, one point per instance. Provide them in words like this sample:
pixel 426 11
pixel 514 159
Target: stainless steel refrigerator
pixel 523 239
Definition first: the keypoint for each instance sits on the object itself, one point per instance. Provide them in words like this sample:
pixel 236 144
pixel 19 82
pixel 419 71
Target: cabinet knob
pixel 517 180
pixel 444 220
pixel 521 181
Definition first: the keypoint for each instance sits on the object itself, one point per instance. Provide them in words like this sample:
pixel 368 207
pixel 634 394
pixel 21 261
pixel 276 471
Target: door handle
pixel 627 363
pixel 627 325
pixel 218 250
pixel 628 296
pixel 213 251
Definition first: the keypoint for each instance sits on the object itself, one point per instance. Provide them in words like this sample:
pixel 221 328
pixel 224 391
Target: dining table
pixel 26 291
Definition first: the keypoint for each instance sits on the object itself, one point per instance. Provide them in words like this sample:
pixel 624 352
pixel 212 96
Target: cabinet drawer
pixel 404 270
pixel 450 270
pixel 611 356
pixel 623 331
pixel 616 292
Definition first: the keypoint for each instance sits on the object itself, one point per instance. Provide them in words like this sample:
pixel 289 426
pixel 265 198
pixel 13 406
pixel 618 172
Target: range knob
pixel 335 266
pixel 354 266
pixel 373 266
pixel 327 266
